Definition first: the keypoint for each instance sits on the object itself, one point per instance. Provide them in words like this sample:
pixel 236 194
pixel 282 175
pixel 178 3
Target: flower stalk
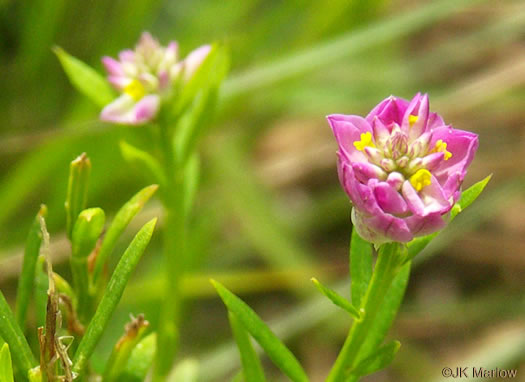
pixel 389 262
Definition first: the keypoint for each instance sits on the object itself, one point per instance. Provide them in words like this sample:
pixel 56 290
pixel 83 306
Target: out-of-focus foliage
pixel 271 214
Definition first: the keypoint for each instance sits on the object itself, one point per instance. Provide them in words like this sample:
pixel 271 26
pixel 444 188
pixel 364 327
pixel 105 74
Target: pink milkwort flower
pixel 402 168
pixel 145 76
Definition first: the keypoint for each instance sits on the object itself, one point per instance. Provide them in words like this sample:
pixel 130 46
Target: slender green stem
pixel 388 264
pixel 174 253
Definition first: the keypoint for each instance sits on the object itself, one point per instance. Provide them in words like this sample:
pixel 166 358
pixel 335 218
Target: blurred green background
pixel 270 213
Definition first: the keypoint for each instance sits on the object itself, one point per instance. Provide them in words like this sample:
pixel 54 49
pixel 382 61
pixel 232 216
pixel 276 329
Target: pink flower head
pixel 145 76
pixel 402 168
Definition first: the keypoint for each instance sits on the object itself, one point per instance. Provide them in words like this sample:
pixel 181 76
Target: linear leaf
pixel 336 298
pixel 119 224
pixel 13 336
pixel 27 276
pixel 77 190
pixel 274 348
pixel 112 295
pixel 360 267
pixel 85 79
pixel 6 368
pixel 378 360
pixel 251 365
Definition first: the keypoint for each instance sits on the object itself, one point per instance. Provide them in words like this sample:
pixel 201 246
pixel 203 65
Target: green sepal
pixel 6 367
pixel 85 79
pixel 274 348
pixel 77 189
pixel 336 298
pixel 378 360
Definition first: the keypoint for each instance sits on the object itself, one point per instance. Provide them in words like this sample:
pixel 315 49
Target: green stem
pixel 175 233
pixel 388 264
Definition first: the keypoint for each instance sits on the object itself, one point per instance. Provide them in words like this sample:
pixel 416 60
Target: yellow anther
pixel 421 179
pixel 441 147
pixel 135 89
pixel 412 119
pixel 366 140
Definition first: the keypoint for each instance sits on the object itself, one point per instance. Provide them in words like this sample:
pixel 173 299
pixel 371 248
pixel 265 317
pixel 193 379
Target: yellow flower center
pixel 421 179
pixel 412 119
pixel 442 147
pixel 135 89
pixel 366 140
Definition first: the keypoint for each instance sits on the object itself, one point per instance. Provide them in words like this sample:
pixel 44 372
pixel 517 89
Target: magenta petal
pixel 389 111
pixel 421 226
pixel 125 111
pixel 389 199
pixel 113 67
pixel 381 228
pixel 347 130
pixel 194 60
pixel 414 202
pixel 461 144
pixel 364 171
pixel 434 198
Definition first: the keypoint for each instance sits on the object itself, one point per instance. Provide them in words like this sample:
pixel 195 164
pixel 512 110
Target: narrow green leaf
pixel 112 295
pixel 6 368
pixel 27 276
pixel 185 371
pixel 140 360
pixel 76 199
pixel 386 314
pixel 274 348
pixel 133 154
pixel 467 198
pixel 251 366
pixel 378 360
pixel 337 299
pixel 41 285
pixel 119 224
pixel 13 336
pixel 85 79
pixel 360 267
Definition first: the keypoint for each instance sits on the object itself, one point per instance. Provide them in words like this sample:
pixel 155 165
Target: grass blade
pixel 27 276
pixel 360 267
pixel 251 365
pixel 274 348
pixel 112 296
